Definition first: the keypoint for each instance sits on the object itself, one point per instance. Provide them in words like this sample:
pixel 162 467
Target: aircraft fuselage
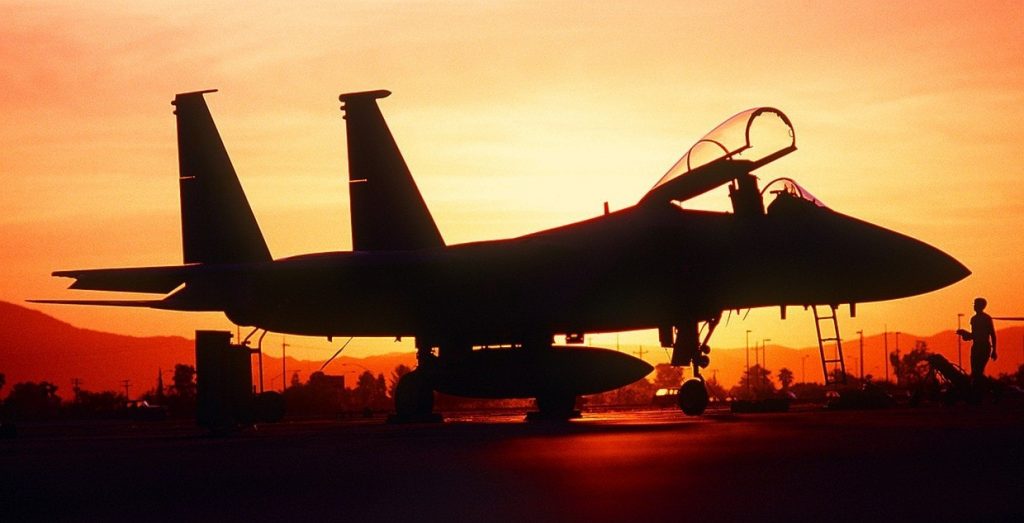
pixel 634 269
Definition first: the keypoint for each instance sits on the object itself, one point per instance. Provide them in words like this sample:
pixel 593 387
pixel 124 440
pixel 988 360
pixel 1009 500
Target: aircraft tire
pixel 414 397
pixel 554 406
pixel 693 397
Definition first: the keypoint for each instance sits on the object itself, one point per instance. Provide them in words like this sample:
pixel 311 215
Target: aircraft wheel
pixel 414 397
pixel 693 397
pixel 555 406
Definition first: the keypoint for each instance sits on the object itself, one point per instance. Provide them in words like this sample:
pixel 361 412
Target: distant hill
pixel 37 347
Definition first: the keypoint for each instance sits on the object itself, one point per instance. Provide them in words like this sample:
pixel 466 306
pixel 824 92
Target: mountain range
pixel 38 347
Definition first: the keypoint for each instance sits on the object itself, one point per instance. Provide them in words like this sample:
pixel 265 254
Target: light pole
pixel 861 332
pixel 284 365
pixel 747 371
pixel 896 369
pixel 959 354
pixel 764 359
pixel 885 354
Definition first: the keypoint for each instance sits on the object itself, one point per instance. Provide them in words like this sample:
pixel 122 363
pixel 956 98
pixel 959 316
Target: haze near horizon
pixel 513 118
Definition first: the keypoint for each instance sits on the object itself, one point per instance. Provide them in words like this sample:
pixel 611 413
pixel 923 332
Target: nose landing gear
pixel 689 350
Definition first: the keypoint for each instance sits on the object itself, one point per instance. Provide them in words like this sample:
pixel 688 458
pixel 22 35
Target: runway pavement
pixel 930 463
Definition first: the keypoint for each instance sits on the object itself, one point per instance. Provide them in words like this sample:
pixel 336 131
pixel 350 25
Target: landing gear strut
pixel 688 349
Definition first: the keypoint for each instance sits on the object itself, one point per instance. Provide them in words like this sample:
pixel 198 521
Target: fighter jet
pixel 485 315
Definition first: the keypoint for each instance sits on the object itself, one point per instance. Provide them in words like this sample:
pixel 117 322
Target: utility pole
pixel 861 332
pixel 885 355
pixel 897 368
pixel 640 353
pixel 764 359
pixel 959 354
pixel 284 371
pixel 76 386
pixel 127 385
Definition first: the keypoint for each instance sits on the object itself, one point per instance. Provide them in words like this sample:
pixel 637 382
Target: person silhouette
pixel 983 336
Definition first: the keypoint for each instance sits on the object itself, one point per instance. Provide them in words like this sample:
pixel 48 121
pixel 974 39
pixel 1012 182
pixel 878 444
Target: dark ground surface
pixel 930 463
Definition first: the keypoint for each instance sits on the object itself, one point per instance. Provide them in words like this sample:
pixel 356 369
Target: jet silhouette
pixel 655 265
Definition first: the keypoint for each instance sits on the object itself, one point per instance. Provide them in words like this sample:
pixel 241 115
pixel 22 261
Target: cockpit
pixel 727 155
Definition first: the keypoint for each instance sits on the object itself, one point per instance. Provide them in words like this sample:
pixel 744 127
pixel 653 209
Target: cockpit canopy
pixel 734 148
pixel 786 187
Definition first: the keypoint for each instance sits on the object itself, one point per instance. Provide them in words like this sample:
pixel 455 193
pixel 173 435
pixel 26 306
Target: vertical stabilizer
pixel 217 224
pixel 388 212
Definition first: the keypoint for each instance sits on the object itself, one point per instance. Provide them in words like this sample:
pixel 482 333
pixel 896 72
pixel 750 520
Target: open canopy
pixel 737 146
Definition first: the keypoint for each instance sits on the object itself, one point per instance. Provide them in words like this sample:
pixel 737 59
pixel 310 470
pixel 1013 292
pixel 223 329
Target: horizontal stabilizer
pixel 157 280
pixel 155 304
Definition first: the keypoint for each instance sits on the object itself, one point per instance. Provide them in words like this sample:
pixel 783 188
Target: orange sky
pixel 513 117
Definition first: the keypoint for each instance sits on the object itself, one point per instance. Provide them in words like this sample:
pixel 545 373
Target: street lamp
pixel 764 359
pixel 747 373
pixel 885 354
pixel 861 332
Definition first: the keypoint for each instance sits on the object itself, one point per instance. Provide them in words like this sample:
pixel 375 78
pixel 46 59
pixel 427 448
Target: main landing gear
pixel 555 406
pixel 414 393
pixel 414 399
pixel 689 350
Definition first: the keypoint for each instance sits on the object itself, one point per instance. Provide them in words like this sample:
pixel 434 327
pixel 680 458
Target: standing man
pixel 983 336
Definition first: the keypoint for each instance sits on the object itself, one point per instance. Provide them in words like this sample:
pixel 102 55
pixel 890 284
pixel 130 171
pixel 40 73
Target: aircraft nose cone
pixel 927 268
pixel 904 266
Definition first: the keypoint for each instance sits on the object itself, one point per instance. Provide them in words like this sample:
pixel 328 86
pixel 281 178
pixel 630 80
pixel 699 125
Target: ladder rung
pixel 834 361
pixel 829 339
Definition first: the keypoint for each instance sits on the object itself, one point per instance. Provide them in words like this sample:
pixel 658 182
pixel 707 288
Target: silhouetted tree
pixel 666 376
pixel 785 377
pixel 181 395
pixel 370 392
pixel 913 367
pixel 400 370
pixel 184 381
pixel 29 400
pixel 380 393
pixel 295 380
pixel 755 383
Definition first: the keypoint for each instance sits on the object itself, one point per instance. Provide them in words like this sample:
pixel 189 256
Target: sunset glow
pixel 513 117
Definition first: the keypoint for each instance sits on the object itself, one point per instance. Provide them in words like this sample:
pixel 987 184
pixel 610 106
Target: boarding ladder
pixel 829 345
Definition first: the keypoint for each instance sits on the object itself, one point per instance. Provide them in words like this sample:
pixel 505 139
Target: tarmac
pixel 931 463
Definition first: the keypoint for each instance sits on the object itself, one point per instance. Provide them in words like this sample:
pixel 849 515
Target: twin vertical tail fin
pixel 217 223
pixel 388 212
